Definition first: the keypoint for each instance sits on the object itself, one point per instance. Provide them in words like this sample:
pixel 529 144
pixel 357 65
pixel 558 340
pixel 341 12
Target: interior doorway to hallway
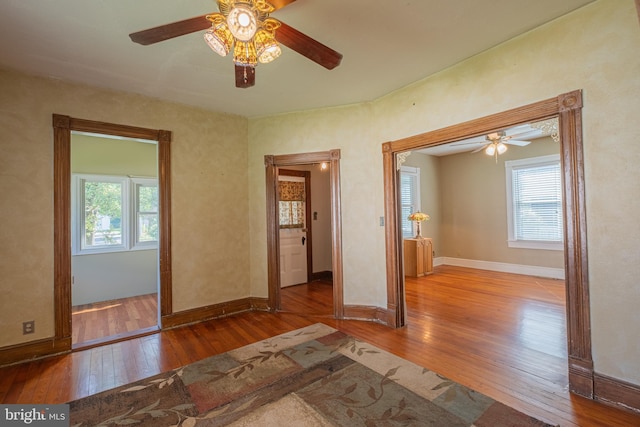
pixel 306 216
pixel 304 220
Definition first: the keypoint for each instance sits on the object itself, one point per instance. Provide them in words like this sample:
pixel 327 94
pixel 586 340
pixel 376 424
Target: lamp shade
pixel 267 48
pixel 219 39
pixel 491 149
pixel 501 148
pixel 242 22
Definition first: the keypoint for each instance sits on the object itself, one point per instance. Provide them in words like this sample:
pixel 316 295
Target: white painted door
pixel 293 248
pixel 293 257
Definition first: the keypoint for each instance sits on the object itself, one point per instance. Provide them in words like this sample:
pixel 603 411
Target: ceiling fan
pixel 245 28
pixel 497 144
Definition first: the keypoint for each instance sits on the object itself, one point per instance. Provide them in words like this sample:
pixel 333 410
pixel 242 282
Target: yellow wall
pixel 111 156
pixel 209 195
pixel 596 49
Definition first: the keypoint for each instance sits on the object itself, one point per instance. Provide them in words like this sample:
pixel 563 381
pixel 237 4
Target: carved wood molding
pixel 568 108
pixel 272 164
pixel 164 206
pixel 62 128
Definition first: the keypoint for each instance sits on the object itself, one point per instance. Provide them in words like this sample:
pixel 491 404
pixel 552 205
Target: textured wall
pixel 209 199
pixel 595 49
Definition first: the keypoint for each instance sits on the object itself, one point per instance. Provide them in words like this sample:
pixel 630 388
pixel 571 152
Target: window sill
pixel 532 244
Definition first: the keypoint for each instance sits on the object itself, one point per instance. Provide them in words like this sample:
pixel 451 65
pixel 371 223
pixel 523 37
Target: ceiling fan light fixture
pixel 267 48
pixel 244 54
pixel 242 22
pixel 218 37
pixel 501 148
pixel 490 150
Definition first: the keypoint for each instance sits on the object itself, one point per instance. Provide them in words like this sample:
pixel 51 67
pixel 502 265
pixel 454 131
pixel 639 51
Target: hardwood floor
pixel 313 298
pixel 501 334
pixel 107 320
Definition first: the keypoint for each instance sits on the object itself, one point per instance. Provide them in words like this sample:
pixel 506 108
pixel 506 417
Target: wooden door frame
pixel 62 128
pixel 307 213
pixel 568 108
pixel 272 165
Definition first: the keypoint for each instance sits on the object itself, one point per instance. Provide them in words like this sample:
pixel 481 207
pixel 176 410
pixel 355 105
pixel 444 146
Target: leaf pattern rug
pixel 314 376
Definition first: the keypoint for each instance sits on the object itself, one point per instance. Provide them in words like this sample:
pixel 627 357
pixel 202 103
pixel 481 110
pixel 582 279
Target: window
pixel 113 213
pixel 409 198
pixel 291 204
pixel 534 203
pixel 146 211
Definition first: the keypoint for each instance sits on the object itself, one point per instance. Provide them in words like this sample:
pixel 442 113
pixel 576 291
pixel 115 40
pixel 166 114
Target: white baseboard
pixel 529 270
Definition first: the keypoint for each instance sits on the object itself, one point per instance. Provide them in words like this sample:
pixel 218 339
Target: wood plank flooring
pixel 97 322
pixel 501 334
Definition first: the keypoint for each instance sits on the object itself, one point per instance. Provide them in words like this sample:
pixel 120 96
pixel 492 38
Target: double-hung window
pixel 409 198
pixel 113 213
pixel 534 203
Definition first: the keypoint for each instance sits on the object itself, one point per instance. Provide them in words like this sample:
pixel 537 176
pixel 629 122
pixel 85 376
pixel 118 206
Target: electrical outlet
pixel 28 327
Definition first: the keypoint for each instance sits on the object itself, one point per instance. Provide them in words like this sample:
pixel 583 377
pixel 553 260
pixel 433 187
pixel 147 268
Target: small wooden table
pixel 418 257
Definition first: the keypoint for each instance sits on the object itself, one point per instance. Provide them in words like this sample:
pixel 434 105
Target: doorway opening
pixel 63 126
pixel 568 109
pixel 303 217
pixel 304 208
pixel 114 237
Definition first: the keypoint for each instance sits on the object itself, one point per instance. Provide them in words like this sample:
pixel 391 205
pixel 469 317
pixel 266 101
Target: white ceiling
pixel 524 133
pixel 386 45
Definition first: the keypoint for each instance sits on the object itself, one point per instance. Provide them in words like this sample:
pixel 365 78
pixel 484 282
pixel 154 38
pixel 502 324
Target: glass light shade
pixel 491 149
pixel 267 48
pixel 245 54
pixel 219 38
pixel 501 148
pixel 242 22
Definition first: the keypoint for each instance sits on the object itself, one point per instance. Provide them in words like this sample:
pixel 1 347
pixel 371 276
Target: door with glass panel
pixel 293 230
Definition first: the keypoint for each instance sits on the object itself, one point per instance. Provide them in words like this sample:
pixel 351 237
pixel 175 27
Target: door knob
pixel 303 240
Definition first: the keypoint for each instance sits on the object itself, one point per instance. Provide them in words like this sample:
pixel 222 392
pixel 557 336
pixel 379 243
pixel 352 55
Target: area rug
pixel 315 376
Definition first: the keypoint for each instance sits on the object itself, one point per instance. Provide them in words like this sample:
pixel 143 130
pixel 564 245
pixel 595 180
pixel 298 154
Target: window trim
pixel 512 241
pixel 135 243
pixel 415 172
pixel 129 222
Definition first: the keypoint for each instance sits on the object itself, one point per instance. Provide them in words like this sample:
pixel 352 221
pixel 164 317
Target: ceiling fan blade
pixel 481 148
pixel 169 31
pixel 516 142
pixel 245 76
pixel 306 46
pixel 279 4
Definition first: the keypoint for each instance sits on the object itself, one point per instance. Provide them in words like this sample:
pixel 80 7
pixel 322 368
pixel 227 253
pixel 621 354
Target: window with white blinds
pixel 534 203
pixel 409 197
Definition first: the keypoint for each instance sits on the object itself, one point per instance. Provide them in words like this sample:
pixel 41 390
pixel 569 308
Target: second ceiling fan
pixel 245 29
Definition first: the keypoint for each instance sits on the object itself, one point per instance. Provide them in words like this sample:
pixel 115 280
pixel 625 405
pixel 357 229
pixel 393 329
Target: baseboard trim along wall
pixel 33 350
pixel 213 311
pixel 368 313
pixel 529 270
pixel 616 393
